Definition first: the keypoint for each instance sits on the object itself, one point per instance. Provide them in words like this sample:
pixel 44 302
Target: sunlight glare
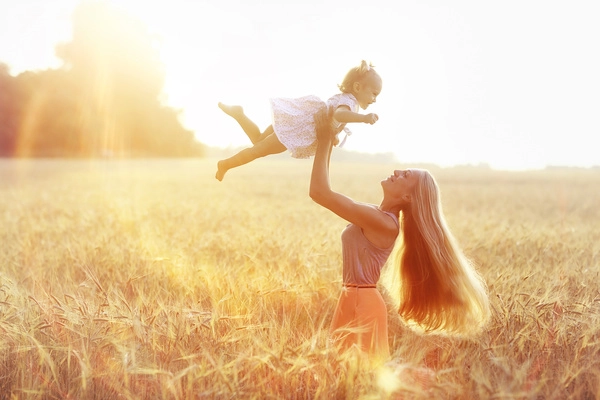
pixel 192 37
pixel 387 379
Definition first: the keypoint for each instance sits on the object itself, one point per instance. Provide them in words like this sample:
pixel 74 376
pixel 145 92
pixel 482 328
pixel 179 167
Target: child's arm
pixel 344 115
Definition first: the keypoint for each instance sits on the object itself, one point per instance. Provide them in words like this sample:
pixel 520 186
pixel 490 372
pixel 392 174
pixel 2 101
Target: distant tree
pixel 46 104
pixel 105 100
pixel 118 75
pixel 8 112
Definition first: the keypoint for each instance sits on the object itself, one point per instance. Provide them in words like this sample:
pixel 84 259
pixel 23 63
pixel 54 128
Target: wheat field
pixel 149 279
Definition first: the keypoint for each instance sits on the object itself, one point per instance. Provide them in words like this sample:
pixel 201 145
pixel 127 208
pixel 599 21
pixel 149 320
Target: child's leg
pixel 266 133
pixel 251 129
pixel 267 146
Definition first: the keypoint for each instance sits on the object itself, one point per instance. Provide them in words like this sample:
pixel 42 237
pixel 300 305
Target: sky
pixel 514 84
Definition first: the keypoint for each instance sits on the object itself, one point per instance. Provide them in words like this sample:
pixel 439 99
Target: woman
pixel 437 288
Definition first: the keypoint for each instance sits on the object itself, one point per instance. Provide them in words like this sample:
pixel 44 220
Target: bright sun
pixel 191 36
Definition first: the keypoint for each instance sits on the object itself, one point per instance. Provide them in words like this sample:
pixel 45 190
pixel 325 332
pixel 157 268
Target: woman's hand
pixel 323 129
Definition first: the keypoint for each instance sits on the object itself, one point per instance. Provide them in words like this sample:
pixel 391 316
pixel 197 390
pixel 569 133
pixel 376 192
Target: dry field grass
pixel 151 280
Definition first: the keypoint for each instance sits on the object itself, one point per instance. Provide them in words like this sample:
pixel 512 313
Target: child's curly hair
pixel 356 74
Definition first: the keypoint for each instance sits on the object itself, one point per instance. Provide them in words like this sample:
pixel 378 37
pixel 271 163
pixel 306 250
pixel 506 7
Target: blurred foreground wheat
pixel 149 279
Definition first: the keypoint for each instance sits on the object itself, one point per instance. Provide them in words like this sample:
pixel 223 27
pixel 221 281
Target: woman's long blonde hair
pixel 436 286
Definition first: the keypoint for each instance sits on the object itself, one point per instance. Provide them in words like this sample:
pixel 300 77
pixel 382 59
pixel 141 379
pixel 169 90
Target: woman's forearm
pixel 320 188
pixel 319 179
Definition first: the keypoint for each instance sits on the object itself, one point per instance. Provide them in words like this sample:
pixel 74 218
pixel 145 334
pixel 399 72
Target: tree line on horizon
pixel 104 101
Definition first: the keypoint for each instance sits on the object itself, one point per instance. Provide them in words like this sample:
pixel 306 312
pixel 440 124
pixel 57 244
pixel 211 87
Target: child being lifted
pixel 293 127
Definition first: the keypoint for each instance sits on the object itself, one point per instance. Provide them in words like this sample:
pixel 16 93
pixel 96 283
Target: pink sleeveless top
pixel 362 259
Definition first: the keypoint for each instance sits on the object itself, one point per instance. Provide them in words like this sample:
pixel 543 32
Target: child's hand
pixel 371 118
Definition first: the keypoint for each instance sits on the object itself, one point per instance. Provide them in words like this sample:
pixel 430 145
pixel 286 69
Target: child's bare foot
pixel 220 171
pixel 232 111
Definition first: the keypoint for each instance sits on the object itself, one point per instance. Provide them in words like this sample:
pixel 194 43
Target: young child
pixel 293 126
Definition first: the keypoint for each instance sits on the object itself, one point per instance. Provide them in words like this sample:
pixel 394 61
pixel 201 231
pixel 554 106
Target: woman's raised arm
pixel 377 226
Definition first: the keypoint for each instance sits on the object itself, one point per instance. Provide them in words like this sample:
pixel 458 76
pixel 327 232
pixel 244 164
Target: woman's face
pixel 401 183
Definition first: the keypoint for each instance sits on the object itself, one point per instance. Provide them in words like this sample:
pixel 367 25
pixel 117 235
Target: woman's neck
pixel 391 208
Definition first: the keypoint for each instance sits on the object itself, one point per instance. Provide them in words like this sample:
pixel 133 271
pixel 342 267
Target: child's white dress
pixel 294 125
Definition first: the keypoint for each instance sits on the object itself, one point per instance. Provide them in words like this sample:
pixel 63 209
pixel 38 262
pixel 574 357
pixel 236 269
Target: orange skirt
pixel 360 319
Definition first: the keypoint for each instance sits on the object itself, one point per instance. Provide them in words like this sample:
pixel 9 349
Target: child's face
pixel 367 90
